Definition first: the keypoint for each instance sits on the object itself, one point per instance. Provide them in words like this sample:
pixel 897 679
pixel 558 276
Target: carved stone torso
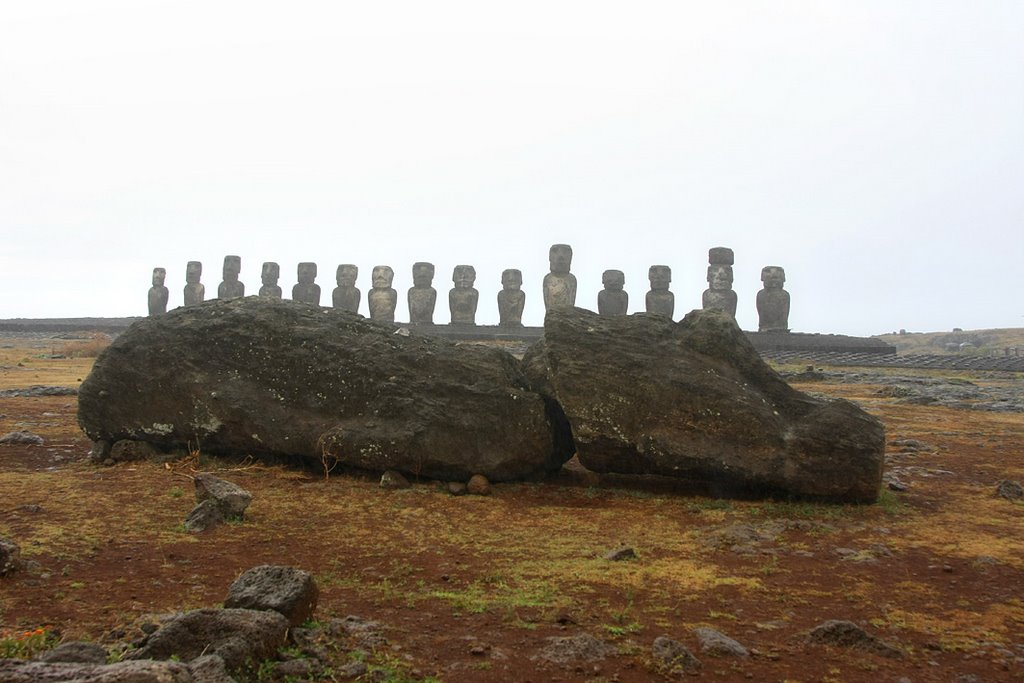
pixel 230 289
pixel 463 301
pixel 270 292
pixel 722 299
pixel 612 302
pixel 158 296
pixel 195 292
pixel 306 292
pixel 661 302
pixel 773 310
pixel 347 298
pixel 511 303
pixel 382 302
pixel 559 290
pixel 422 301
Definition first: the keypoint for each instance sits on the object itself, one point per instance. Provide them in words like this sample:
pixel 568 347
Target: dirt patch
pixel 474 588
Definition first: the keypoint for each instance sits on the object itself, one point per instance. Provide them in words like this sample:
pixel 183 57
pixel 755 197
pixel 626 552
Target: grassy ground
pixel 471 588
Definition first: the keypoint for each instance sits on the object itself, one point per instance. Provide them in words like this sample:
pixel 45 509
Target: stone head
pixel 660 277
pixel 347 274
pixel 464 276
pixel 307 272
pixel 232 267
pixel 382 277
pixel 193 271
pixel 422 274
pixel 158 277
pixel 720 277
pixel 271 273
pixel 721 256
pixel 613 280
pixel 773 277
pixel 512 278
pixel 560 257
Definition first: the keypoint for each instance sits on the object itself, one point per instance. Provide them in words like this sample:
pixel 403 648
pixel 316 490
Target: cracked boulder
pixel 694 400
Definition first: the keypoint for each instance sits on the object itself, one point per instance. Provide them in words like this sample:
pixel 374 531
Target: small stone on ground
pixel 478 485
pixel 22 438
pixel 1010 490
pixel 394 480
pixel 673 656
pixel 713 642
pixel 619 554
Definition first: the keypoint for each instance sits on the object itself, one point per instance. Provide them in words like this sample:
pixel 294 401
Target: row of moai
pixel 559 288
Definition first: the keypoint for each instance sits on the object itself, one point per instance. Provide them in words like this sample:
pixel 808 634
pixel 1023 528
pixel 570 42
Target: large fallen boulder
pixel 252 376
pixel 694 400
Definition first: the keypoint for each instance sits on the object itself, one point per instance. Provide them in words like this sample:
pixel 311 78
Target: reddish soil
pixel 471 588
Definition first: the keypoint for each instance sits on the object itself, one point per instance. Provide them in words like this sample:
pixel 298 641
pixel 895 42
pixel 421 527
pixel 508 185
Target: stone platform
pixel 765 342
pixel 777 342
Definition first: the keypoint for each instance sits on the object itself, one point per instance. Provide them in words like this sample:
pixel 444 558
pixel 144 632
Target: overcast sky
pixel 874 149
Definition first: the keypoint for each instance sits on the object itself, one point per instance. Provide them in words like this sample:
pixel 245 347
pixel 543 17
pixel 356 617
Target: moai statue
pixel 659 299
pixel 346 296
pixel 719 293
pixel 158 293
pixel 382 299
pixel 422 297
pixel 511 298
pixel 231 287
pixel 773 301
pixel 271 273
pixel 305 289
pixel 463 297
pixel 612 300
pixel 559 284
pixel 195 292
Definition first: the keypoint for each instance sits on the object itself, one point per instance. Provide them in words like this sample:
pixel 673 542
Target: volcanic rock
pixel 22 437
pixel 127 450
pixel 289 591
pixel 21 671
pixel 251 376
pixel 204 516
pixel 230 498
pixel 76 651
pixel 620 554
pixel 581 647
pixel 478 486
pixel 1010 490
pixel 394 480
pixel 716 643
pixel 694 400
pixel 846 634
pixel 674 657
pixel 236 635
pixel 10 557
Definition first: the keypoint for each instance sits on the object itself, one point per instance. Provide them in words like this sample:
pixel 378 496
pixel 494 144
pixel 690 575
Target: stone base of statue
pixel 778 340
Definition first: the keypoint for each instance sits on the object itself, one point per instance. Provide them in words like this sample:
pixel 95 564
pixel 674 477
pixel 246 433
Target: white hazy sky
pixel 875 149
